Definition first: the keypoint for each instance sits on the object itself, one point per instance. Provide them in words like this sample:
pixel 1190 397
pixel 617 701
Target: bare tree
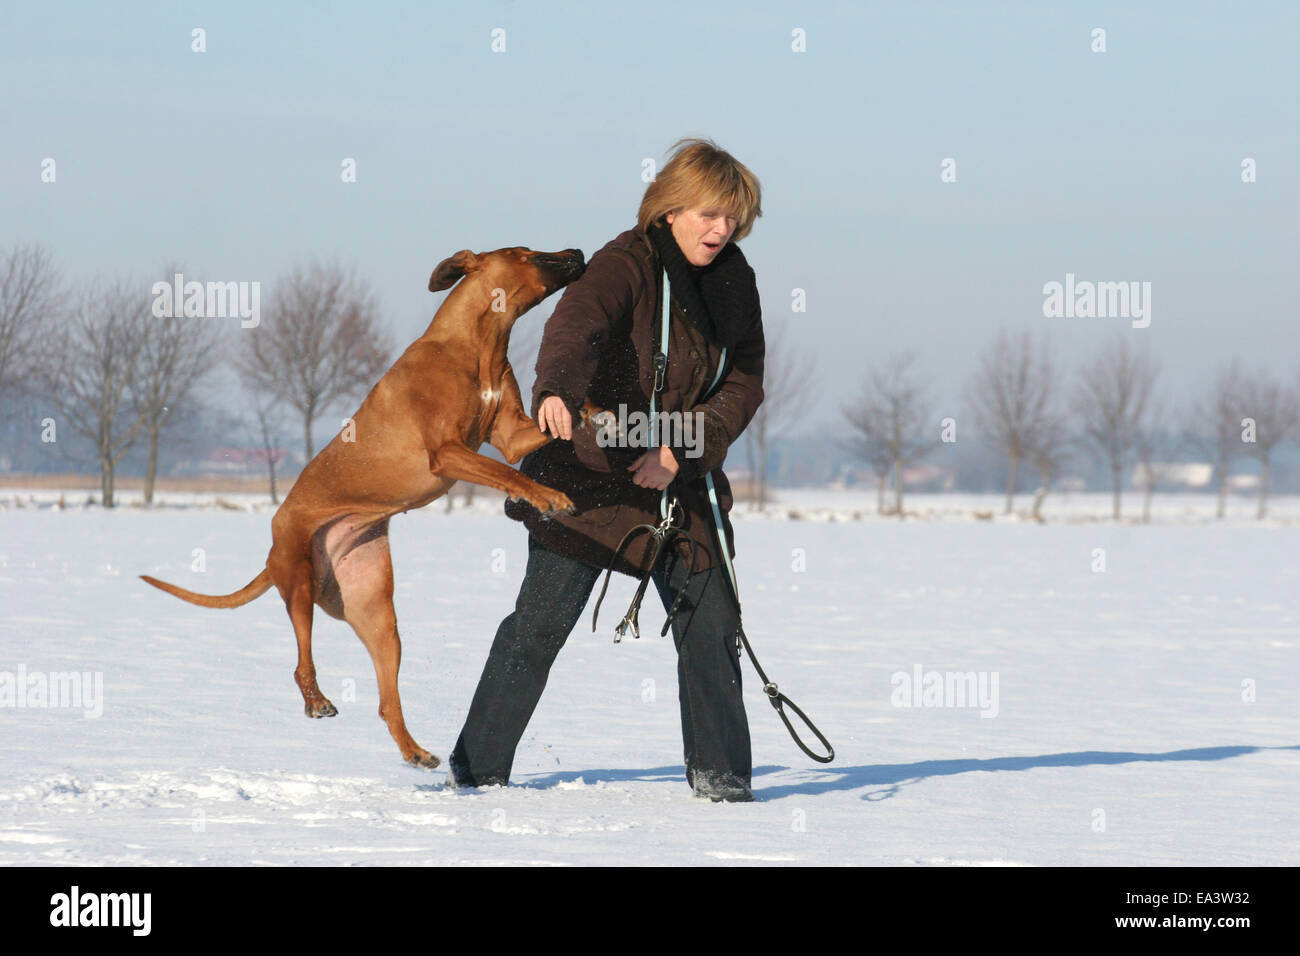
pixel 319 344
pixel 88 368
pixel 1157 450
pixel 29 289
pixel 870 444
pixel 1216 429
pixel 787 393
pixel 891 420
pixel 1270 414
pixel 175 353
pixel 1111 403
pixel 264 414
pixel 1048 447
pixel 1010 392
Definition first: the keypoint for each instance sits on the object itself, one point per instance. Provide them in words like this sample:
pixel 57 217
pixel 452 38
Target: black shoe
pixel 458 778
pixel 722 788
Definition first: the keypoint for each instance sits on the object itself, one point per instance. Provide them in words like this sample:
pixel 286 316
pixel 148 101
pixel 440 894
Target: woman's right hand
pixel 553 416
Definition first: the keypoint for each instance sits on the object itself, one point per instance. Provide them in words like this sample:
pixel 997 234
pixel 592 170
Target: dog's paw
pixel 322 708
pixel 552 503
pixel 424 760
pixel 592 414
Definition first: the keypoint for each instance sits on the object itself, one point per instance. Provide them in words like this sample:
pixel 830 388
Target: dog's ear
pixel 451 270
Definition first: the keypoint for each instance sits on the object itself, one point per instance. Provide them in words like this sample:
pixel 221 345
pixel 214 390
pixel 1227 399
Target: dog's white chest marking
pixel 490 395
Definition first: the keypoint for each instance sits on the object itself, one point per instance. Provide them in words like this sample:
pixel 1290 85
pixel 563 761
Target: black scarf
pixel 720 299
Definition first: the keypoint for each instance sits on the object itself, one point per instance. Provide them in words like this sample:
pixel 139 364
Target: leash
pixel 666 530
pixel 778 700
pixel 669 529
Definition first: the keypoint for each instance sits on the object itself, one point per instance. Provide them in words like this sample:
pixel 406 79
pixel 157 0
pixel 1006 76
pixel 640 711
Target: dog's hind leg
pixel 297 590
pixel 363 569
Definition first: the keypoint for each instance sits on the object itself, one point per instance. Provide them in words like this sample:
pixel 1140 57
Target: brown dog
pixel 415 435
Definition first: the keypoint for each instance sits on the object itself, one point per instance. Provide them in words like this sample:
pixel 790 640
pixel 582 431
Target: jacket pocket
pixel 599 517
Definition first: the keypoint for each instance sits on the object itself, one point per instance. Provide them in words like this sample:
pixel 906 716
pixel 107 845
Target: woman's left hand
pixel 655 469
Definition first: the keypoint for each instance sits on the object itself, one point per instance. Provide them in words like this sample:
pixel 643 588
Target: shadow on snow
pixel 881 781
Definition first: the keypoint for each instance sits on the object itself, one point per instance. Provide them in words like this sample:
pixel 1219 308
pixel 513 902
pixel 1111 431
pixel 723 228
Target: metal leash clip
pixel 669 527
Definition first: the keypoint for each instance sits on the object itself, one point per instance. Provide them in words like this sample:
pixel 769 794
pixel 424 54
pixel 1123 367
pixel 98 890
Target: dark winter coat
pixel 599 343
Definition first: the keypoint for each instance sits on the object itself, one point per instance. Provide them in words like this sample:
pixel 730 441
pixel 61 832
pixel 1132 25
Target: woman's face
pixel 701 233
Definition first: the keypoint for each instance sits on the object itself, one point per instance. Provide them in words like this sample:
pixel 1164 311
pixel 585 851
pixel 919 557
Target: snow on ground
pixel 1144 714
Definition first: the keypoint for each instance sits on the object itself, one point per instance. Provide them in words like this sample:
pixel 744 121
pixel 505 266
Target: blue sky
pixel 1115 166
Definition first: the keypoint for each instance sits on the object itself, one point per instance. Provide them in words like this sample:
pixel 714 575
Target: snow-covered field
pixel 1142 714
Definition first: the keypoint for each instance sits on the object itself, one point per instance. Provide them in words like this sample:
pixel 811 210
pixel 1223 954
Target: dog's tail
pixel 251 591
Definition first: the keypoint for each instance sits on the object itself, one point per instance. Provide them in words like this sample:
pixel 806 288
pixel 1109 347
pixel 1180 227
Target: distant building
pixel 1186 476
pixel 232 461
pixel 927 478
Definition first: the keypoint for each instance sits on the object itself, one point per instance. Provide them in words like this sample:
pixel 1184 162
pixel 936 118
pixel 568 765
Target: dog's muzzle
pixel 566 265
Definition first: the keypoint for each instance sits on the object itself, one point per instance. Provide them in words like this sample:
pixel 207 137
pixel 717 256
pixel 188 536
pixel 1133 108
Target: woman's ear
pixel 668 218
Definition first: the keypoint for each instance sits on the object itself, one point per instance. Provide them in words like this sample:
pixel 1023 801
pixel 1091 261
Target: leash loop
pixel 777 702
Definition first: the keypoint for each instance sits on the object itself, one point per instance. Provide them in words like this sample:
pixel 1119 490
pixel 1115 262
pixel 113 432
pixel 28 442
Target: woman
pixel 600 343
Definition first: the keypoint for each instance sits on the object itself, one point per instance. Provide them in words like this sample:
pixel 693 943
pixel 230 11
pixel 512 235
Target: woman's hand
pixel 655 469
pixel 553 415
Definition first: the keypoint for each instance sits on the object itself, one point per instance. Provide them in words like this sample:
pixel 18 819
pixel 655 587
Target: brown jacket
pixel 599 343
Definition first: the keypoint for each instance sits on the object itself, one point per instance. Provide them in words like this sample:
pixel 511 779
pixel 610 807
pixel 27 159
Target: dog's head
pixel 518 277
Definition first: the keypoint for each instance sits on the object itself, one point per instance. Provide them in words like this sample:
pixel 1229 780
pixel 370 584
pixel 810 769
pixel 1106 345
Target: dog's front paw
pixel 550 502
pixel 591 414
pixel 424 760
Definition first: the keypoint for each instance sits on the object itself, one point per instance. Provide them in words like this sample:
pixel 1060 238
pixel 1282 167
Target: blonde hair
pixel 700 175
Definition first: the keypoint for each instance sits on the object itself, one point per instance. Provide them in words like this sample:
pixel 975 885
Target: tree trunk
pixel 1117 479
pixel 898 489
pixel 1011 481
pixel 270 455
pixel 151 471
pixel 1221 473
pixel 306 424
pixel 880 493
pixel 1039 495
pixel 1264 476
pixel 106 482
pixel 1146 499
pixel 270 464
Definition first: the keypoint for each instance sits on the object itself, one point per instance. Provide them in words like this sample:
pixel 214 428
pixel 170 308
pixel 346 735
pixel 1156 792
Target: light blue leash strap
pixel 661 374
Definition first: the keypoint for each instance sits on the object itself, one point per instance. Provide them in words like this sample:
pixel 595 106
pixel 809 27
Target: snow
pixel 1146 713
